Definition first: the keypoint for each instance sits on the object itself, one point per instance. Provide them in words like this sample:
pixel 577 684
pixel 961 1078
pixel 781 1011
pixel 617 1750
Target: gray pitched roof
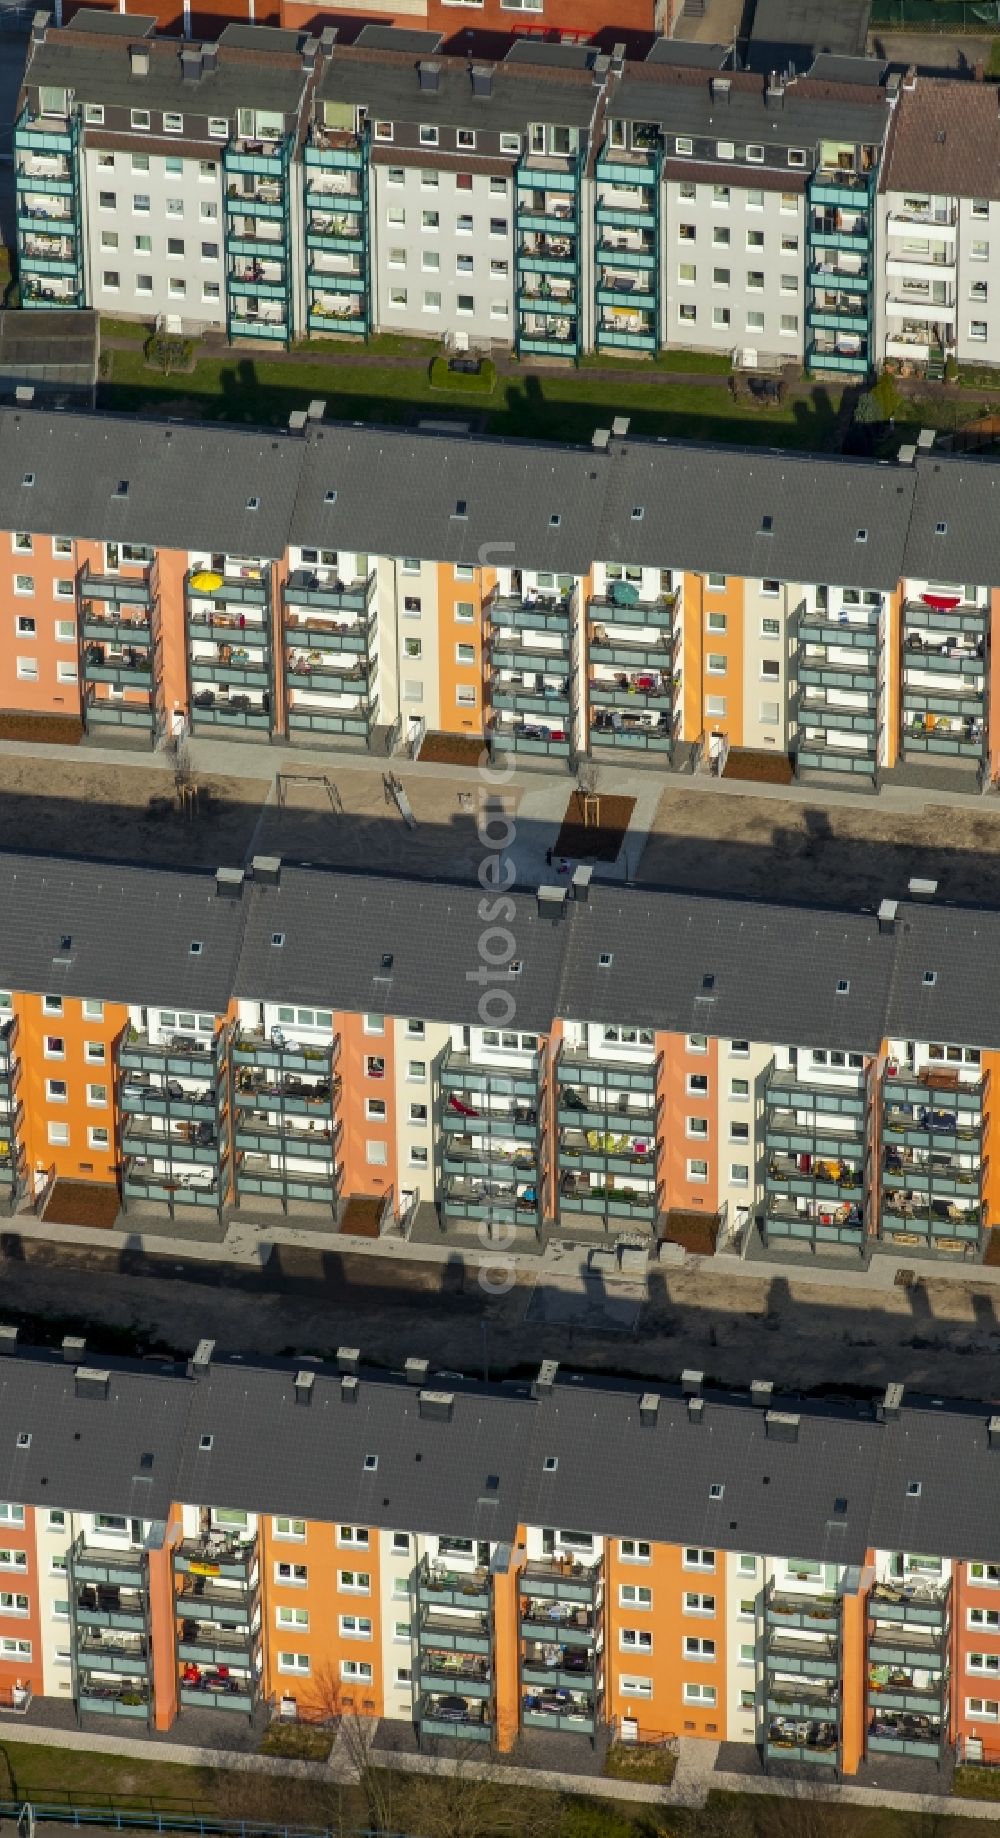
pixel 681 98
pixel 961 947
pixel 964 495
pixel 398 493
pixel 524 92
pixel 130 932
pixel 100 71
pixel 338 927
pixel 482 1473
pixel 711 502
pixel 188 486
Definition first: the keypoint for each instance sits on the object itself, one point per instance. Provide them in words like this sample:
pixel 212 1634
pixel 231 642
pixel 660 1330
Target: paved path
pixel 695 1778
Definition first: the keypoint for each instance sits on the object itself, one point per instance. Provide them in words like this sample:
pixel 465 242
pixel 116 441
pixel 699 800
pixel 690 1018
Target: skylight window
pixel 253 504
pixel 205 1443
pixel 550 1464
pixel 843 987
pixel 862 536
pixel 605 960
pixel 555 520
pixel 195 948
pixel 28 479
pixel 330 498
pixel 930 978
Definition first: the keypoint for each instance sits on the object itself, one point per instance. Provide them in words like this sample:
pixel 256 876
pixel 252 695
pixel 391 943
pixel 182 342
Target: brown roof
pixel 945 139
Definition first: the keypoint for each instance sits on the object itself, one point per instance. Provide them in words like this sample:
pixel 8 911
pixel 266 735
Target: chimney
pixel 617 60
pixel 416 1371
pixel 910 77
pixel 696 1410
pixel 891 1405
pixel 692 1382
pixel 229 883
pixel 267 870
pixel 978 72
pixel 482 81
pixel 24 394
pixel 73 1350
pixel 887 917
pixel 541 1386
pixel 907 453
pixel 923 891
pixel 582 878
pixel 600 440
pixel 92 1383
pixel 39 27
pixel 209 59
pixel 429 75
pixel 138 59
pixel 348 1389
pixel 316 409
pixel 200 1363
pixel 781 1426
pixel 993 1433
pixel 649 1407
pixel 436 1406
pixel 775 93
pixel 551 903
pixel 310 48
pixel 327 40
pixel 761 1392
pixel 601 66
pixel 722 89
pixel 348 1359
pixel 620 427
pixel 304 1382
pixel 191 63
pixel 8 1335
pixel 297 421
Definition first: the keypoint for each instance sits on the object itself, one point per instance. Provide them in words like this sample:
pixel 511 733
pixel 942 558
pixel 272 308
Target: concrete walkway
pixel 696 1776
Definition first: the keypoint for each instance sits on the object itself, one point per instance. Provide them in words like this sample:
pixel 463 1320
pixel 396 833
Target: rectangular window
pixel 699 1694
pixel 695 1558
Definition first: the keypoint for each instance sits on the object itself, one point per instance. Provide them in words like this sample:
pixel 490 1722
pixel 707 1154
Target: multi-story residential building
pixel 939 208
pixel 363 1561
pixel 540 201
pixel 838 1094
pixel 730 210
pixel 557 201
pixel 349 586
pixel 157 177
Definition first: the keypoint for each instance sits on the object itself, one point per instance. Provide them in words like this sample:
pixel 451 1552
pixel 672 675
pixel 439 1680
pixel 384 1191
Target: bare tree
pixel 327 1703
pixel 466 1797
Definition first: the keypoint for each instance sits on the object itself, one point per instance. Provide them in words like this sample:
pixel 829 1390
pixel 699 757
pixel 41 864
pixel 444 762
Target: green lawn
pixel 565 406
pixel 709 363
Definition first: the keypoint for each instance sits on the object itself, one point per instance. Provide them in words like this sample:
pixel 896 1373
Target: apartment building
pixel 836 1091
pixel 454 1558
pixel 550 201
pixel 939 208
pixel 351 586
pixel 749 203
pixel 155 177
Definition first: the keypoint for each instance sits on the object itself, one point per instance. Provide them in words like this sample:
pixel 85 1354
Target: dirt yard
pixel 601 839
pixel 368 832
pixel 840 855
pixel 132 813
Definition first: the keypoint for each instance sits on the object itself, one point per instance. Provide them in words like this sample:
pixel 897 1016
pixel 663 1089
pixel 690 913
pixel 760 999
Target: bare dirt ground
pixel 937 1337
pixel 370 833
pixel 127 813
pixel 839 855
pixel 132 813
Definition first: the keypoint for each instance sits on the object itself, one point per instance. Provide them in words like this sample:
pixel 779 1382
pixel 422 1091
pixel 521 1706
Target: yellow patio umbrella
pixel 206 581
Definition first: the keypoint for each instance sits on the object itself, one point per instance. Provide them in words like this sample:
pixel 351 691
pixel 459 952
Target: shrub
pixel 168 352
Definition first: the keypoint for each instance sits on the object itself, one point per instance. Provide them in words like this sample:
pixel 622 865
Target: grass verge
pixel 565 406
pixel 637 1761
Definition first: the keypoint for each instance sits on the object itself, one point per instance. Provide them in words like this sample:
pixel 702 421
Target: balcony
pixel 629 654
pixel 804 1698
pixel 528 696
pixel 920 1690
pixel 205 1599
pixel 947 658
pixel 816 1177
pixel 810 1743
pixel 576 1069
pixel 445 1633
pixel 535 612
pixel 439 1588
pixel 628 691
pixel 556 1665
pixel 527 654
pixel 632 1152
pixel 110 1652
pixel 492 1201
pixel 802 1657
pixel 459 1072
pixel 207 587
pixel 623 605
pixel 547 1585
pixel 455 1717
pixel 110 1698
pixel 631 734
pixel 469 1157
pixel 790 1612
pixel 911 1604
pixel 815 1222
pixel 326 593
pixel 946 615
pixel 907 1733
pixel 216 1554
pixel 816 753
pixel 114 1569
pixel 444 1669
pixel 217 1688
pixel 559 1708
pixel 611 1201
